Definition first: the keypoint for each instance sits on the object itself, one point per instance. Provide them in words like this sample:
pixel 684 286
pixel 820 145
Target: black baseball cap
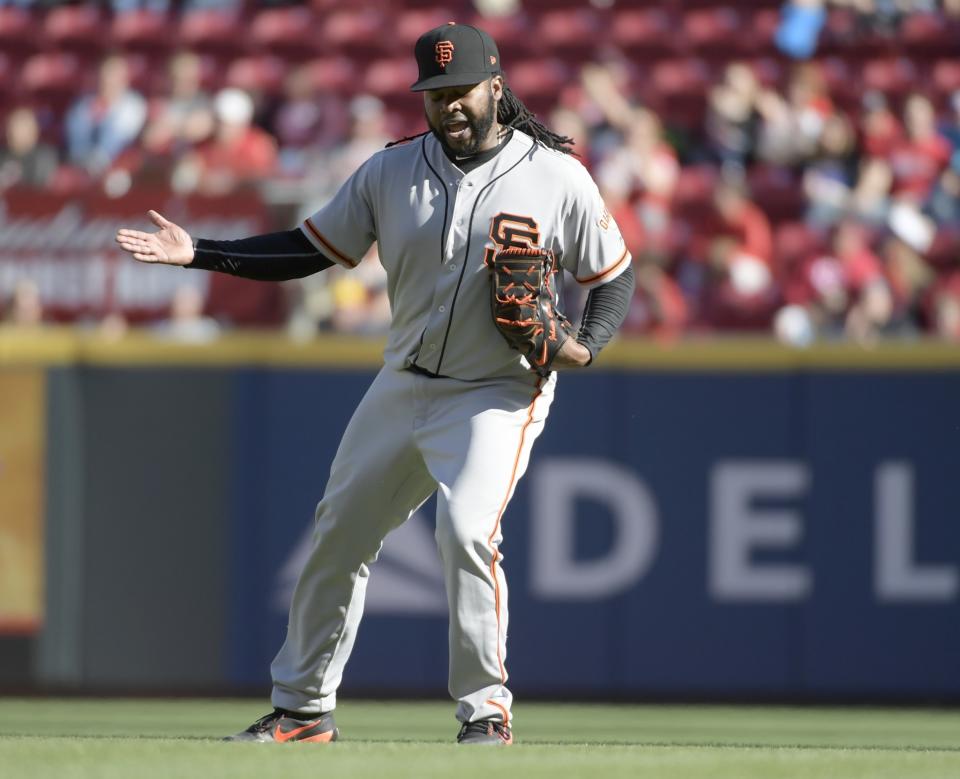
pixel 455 55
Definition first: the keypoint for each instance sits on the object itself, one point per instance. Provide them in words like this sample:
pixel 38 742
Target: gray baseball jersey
pixel 435 224
pixel 464 424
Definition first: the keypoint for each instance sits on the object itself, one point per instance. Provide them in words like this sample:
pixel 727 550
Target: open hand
pixel 170 245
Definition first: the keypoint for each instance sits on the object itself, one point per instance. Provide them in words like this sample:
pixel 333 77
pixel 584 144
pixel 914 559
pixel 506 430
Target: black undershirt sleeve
pixel 269 257
pixel 605 310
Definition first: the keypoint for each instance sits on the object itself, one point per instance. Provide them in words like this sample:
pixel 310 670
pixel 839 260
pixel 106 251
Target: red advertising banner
pixel 65 246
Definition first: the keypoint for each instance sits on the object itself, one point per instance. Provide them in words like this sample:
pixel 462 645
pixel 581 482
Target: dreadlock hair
pixel 511 112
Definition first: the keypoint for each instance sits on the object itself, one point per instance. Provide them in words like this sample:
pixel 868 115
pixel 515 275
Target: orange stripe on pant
pixel 496 527
pixel 506 714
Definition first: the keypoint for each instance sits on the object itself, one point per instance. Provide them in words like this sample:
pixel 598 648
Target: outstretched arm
pixel 271 257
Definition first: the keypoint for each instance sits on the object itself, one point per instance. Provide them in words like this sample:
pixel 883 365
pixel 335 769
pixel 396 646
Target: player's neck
pixel 474 161
pixel 495 141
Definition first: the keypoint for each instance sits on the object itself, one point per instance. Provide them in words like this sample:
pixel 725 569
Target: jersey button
pixel 441 309
pixel 433 346
pixel 452 266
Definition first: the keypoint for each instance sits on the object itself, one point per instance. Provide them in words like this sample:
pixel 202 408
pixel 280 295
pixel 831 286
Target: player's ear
pixel 496 87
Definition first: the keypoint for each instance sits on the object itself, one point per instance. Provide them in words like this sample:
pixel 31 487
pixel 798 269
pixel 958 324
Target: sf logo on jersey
pixel 511 230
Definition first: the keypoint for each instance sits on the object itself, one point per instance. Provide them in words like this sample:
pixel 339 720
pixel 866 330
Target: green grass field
pixel 148 739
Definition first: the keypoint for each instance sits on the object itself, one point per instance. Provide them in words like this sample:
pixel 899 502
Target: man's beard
pixel 479 129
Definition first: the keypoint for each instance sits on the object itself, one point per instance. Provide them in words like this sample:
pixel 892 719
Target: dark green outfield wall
pixel 136 527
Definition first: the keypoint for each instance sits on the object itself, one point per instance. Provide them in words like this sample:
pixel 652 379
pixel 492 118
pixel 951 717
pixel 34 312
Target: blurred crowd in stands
pixel 790 168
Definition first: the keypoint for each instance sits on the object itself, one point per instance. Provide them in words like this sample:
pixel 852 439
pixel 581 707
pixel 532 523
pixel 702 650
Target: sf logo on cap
pixel 444 50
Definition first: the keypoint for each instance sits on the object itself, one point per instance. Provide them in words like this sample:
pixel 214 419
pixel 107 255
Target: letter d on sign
pixel 555 571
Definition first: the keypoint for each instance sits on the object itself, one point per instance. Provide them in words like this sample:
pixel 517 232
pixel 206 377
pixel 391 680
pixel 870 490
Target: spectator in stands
pixel 732 118
pixel 659 308
pixel 847 292
pixel 917 162
pixel 368 134
pixel 738 291
pixel 101 125
pixel 187 322
pixel 360 302
pixel 950 128
pixel 910 277
pixel 944 202
pixel 830 177
pixel 25 308
pixel 309 122
pixel 177 124
pixel 354 302
pixel 800 24
pixel 945 307
pixel 605 106
pixel 185 110
pixel 566 121
pixel 643 172
pixel 24 159
pixel 791 128
pixel 239 153
pixel 879 126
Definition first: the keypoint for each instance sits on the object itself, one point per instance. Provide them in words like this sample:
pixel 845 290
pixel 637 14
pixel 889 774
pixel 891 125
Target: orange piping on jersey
pixel 506 714
pixel 596 277
pixel 336 253
pixel 496 526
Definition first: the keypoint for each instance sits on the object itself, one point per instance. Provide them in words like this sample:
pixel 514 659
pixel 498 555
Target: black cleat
pixel 280 726
pixel 485 731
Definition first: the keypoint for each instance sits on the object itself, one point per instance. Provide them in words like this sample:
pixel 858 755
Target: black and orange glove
pixel 524 301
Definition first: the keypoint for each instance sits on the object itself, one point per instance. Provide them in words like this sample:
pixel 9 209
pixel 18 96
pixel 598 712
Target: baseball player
pixel 475 220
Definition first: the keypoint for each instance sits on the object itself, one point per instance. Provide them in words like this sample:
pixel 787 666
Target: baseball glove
pixel 524 302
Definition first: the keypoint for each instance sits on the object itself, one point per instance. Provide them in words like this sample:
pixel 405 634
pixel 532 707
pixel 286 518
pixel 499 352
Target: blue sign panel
pixel 676 534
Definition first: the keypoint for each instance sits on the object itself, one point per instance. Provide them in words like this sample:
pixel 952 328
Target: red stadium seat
pixel 7 81
pixel 413 23
pixel 358 34
pixel 334 74
pixel 288 32
pixel 19 35
pixel 537 82
pixel 213 32
pixel 260 75
pixel 894 77
pixel 769 71
pixel 763 28
pixel 843 83
pixel 946 76
pixel 793 242
pixel 145 75
pixel 50 79
pixel 693 193
pixel 648 33
pixel 571 34
pixel 390 79
pixel 776 191
pixel 142 30
pixel 677 90
pixel 512 33
pixel 930 35
pixel 716 34
pixel 75 28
